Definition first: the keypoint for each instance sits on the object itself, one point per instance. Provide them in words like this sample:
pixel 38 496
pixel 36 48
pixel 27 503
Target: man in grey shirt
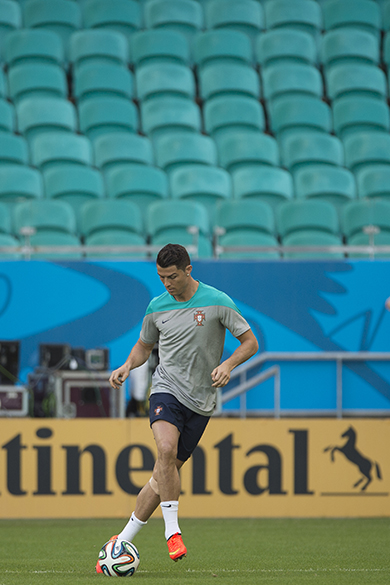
pixel 189 322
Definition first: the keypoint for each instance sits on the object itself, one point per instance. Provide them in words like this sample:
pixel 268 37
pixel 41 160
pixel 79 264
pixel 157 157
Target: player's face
pixel 174 279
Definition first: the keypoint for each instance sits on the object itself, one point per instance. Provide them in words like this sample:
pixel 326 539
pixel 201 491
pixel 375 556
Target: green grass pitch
pixel 248 551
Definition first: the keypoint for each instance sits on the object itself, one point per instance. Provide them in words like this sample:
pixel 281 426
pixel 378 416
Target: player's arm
pixel 138 356
pixel 247 348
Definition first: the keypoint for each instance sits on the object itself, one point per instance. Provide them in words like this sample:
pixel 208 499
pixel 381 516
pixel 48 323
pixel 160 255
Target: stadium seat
pixel 249 214
pixel 285 46
pixel 307 148
pixel 177 149
pixel 328 183
pixel 162 114
pixel 159 46
pixel 110 214
pixel 361 239
pixel 386 45
pixel 140 184
pixel 205 184
pixel 102 81
pixel 7 116
pixel 75 184
pixel 311 238
pixel 356 80
pixel 289 79
pixel 365 212
pixel 45 215
pixel 242 149
pixel 10 19
pixel 19 182
pixel 36 80
pixel 185 16
pixel 115 237
pixel 307 214
pixel 56 148
pixel 41 115
pixel 348 46
pixel 228 79
pixel 60 16
pixel 359 114
pixel 5 220
pixel 49 239
pixel 374 181
pixel 33 46
pixel 366 148
pixel 106 115
pixel 272 185
pixel 175 216
pixel 357 14
pixel 98 47
pixel 112 150
pixel 289 114
pixel 13 149
pixel 303 15
pixel 7 240
pixel 232 112
pixel 246 238
pixel 213 47
pixel 245 16
pixel 164 79
pixel 124 16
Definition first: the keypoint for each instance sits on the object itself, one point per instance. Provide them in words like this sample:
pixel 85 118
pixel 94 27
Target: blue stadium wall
pixel 294 306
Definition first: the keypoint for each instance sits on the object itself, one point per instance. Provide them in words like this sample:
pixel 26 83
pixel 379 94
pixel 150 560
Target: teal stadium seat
pixel 285 46
pixel 366 148
pixel 10 20
pixel 96 81
pixel 98 47
pixel 19 182
pixel 356 80
pixel 228 79
pixel 244 239
pixel 246 16
pixel 60 16
pixel 361 214
pixel 33 46
pixel 115 238
pixel 117 215
pixel 159 46
pixel 45 215
pixel 164 79
pixel 42 115
pixel 5 220
pixel 303 15
pixel 360 114
pixel 167 114
pixel 348 46
pixel 13 149
pixel 7 240
pixel 357 14
pixel 178 149
pixel 106 115
pixel 124 16
pixel 50 239
pixel 307 148
pixel 290 114
pixel 184 16
pixel 36 80
pixel 272 185
pixel 56 148
pixel 7 116
pixel 118 148
pixel 172 220
pixel 289 79
pixel 213 47
pixel 225 113
pixel 205 184
pixel 362 239
pixel 311 238
pixel 374 181
pixel 329 183
pixel 140 184
pixel 247 148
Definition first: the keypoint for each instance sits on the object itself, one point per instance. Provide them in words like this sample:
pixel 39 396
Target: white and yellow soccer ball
pixel 118 558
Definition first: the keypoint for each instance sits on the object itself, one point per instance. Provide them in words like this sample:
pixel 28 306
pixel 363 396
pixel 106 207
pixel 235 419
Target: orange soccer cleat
pixel 176 547
pixel 98 568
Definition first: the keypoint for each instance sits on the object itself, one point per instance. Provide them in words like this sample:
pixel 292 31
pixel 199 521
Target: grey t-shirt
pixel 191 337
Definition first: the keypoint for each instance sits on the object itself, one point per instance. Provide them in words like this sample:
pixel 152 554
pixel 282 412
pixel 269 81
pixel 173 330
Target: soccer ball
pixel 118 558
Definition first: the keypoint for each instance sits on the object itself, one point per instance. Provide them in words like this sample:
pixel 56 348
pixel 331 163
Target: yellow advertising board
pixel 52 468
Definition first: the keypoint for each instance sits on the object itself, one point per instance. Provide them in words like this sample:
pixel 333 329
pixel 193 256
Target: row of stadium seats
pixel 245 222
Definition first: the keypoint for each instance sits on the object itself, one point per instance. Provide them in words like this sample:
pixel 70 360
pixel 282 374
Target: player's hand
pixel 220 376
pixel 119 376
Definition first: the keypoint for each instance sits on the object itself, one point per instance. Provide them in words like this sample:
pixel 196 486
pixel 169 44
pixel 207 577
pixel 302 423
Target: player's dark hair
pixel 173 255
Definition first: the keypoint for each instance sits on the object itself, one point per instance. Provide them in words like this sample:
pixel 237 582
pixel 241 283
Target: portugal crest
pixel 199 317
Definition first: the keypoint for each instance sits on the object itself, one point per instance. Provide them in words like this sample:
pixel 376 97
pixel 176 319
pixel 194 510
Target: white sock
pixel 170 511
pixel 131 529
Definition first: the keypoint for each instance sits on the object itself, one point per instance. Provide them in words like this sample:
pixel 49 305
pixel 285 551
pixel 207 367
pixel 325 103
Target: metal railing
pixel 246 383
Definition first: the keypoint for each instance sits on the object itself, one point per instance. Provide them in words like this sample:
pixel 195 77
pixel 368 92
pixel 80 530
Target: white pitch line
pixel 210 571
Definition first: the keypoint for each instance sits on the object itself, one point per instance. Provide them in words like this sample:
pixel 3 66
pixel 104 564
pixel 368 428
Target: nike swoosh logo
pixel 165 320
pixel 166 506
pixel 174 552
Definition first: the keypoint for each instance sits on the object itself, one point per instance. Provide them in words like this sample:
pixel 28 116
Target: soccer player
pixel 189 322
